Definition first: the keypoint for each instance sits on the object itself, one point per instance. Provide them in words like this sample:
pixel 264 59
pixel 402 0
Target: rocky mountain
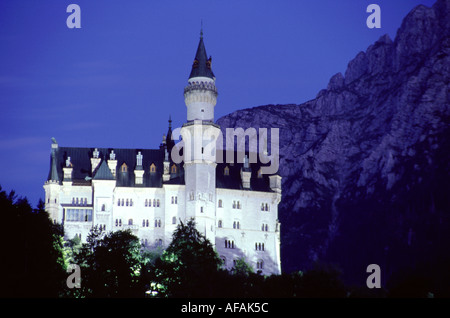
pixel 365 165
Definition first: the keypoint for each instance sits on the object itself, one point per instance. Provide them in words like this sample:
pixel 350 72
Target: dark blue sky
pixel 115 81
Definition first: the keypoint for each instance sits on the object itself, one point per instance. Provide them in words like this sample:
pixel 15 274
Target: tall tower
pixel 199 135
pixel 52 187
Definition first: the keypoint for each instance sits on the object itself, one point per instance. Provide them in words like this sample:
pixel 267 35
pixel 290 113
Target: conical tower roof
pixel 202 64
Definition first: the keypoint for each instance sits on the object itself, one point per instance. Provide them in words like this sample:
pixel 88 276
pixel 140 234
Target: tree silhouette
pixel 189 266
pixel 32 254
pixel 110 265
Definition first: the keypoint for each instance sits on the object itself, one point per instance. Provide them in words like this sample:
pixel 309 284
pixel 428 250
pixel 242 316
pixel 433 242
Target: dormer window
pixel 124 167
pixel 152 168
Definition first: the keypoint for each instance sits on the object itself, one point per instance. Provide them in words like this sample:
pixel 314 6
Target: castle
pixel 235 205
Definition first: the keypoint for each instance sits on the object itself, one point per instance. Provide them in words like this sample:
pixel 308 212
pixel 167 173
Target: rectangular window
pixel 79 215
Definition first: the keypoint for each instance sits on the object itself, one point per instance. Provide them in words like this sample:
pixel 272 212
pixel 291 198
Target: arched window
pixel 219 224
pixel 260 264
pixel 174 220
pixel 146 223
pixel 220 203
pixel 123 203
pixel 146 202
pixel 229 244
pixel 226 171
pixel 124 167
pixel 154 202
pixel 130 222
pixel 143 223
pixel 128 202
pixel 157 203
pixel 266 207
pixel 152 168
pixel 173 169
pixel 262 206
pixel 103 208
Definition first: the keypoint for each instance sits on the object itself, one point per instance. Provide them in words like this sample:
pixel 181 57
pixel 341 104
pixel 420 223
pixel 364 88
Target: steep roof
pixel 53 173
pixel 82 171
pixel 103 172
pixel 201 65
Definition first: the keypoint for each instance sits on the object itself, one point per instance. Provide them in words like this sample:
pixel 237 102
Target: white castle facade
pixel 234 204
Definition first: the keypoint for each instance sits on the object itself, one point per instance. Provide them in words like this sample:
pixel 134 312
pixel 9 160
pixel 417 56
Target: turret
pixel 199 148
pixel 52 186
pixel 200 95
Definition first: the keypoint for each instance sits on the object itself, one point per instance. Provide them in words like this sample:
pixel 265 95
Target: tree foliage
pixel 32 261
pixel 110 265
pixel 188 266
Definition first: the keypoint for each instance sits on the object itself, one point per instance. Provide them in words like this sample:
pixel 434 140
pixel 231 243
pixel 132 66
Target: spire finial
pixel 201 29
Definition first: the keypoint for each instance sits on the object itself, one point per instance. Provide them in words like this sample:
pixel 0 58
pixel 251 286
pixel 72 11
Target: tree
pixel 110 265
pixel 189 266
pixel 322 281
pixel 242 268
pixel 32 254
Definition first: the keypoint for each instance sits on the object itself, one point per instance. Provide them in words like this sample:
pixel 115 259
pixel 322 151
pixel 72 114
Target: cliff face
pixel 365 165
